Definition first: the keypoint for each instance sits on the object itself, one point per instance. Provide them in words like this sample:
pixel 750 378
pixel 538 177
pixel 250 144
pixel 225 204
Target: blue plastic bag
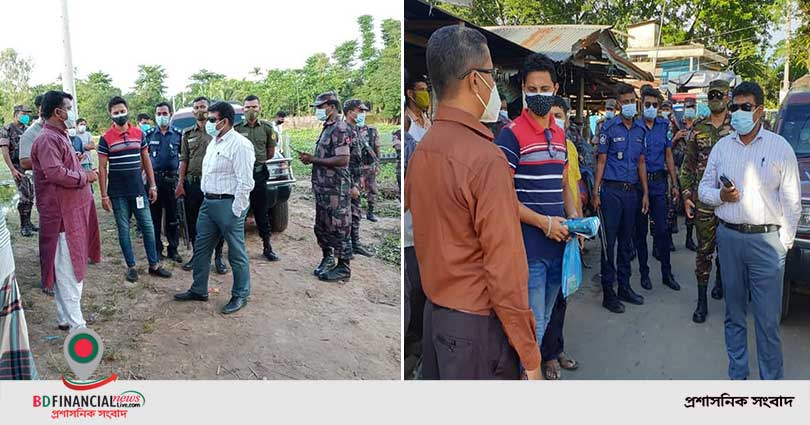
pixel 572 263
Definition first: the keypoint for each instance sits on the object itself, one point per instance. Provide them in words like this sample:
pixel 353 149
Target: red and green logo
pixel 83 351
pixel 83 348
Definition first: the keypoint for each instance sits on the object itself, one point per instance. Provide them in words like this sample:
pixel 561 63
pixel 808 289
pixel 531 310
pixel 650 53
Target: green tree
pixel 15 75
pixel 149 90
pixel 93 94
pixel 367 49
pixel 380 87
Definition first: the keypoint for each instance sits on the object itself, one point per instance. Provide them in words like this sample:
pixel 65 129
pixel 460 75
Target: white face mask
pixel 82 128
pixel 560 123
pixel 493 107
pixel 72 132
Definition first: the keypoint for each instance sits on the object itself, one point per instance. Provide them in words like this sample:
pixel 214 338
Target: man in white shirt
pixel 227 180
pixel 752 178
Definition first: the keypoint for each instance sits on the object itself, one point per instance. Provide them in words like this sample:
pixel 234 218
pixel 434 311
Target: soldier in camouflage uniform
pixel 704 135
pixel 370 145
pixel 352 111
pixel 10 144
pixel 331 184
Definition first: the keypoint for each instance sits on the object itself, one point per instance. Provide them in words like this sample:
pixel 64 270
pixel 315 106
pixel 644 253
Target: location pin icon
pixel 83 350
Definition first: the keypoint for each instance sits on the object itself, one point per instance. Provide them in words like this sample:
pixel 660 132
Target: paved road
pixel 658 340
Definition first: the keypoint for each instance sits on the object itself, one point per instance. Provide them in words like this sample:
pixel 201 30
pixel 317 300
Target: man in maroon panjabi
pixel 69 234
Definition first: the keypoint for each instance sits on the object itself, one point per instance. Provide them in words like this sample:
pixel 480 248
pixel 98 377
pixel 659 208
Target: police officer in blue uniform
pixel 164 150
pixel 660 164
pixel 620 168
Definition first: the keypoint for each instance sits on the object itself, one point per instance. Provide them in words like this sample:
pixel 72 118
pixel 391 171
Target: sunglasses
pixel 650 104
pixel 213 120
pixel 715 95
pixel 747 107
pixel 481 70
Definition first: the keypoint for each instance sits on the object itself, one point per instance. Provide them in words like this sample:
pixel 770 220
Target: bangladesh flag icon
pixel 83 351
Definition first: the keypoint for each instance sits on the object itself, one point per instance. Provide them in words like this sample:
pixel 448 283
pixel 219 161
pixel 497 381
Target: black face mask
pixel 539 104
pixel 121 119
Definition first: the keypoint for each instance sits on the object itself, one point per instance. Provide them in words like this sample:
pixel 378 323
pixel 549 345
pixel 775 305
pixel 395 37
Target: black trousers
pixel 415 298
pixel 458 345
pixel 194 200
pixel 165 207
pixel 258 201
pixel 553 343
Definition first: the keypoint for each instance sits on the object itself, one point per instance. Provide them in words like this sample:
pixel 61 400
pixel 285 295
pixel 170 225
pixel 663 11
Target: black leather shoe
pixel 188 266
pixel 220 266
pixel 132 274
pixel 190 296
pixel 270 254
pixel 690 244
pixel 371 217
pixel 699 316
pixel 340 272
pixel 646 283
pixel 176 258
pixel 26 231
pixel 627 294
pixel 34 227
pixel 160 272
pixel 670 282
pixel 327 263
pixel 357 248
pixel 234 305
pixel 610 302
pixel 717 290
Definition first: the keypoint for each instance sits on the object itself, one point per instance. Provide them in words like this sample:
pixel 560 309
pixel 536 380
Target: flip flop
pixel 567 363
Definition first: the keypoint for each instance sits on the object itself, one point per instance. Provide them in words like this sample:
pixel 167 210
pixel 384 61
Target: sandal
pixel 567 363
pixel 552 370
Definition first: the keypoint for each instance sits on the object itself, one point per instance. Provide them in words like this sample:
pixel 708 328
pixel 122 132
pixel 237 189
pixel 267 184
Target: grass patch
pixel 388 249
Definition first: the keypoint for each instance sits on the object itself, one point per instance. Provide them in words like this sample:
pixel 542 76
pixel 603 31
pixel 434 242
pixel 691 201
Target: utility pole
pixel 68 83
pixel 786 80
pixel 658 42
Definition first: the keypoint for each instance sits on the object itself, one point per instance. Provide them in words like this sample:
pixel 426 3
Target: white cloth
pixel 67 291
pixel 86 139
pixel 766 174
pixel 407 238
pixel 27 139
pixel 417 131
pixel 227 168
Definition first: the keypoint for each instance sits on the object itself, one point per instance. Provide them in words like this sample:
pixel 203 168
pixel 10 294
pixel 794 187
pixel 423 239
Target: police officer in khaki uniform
pixel 264 139
pixel 193 143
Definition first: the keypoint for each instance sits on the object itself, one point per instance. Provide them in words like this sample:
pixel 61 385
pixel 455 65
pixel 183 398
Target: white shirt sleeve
pixel 708 192
pixel 243 158
pixel 790 198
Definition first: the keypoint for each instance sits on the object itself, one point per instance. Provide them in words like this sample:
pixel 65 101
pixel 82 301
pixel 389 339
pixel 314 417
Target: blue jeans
pixel 752 262
pixel 123 209
pixel 216 221
pixel 545 280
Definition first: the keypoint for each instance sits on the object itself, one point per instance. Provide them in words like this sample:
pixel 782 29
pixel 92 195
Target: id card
pixel 139 202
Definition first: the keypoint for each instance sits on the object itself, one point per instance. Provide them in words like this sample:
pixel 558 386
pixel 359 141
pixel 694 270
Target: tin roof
pixel 555 41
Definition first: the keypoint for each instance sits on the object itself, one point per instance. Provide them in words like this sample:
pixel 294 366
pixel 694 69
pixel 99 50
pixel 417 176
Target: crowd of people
pixel 487 196
pixel 216 168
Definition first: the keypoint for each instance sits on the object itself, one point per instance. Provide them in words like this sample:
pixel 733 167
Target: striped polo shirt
pixel 123 151
pixel 538 157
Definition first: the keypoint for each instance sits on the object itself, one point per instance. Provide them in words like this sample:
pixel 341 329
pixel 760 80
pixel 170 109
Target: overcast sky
pixel 228 37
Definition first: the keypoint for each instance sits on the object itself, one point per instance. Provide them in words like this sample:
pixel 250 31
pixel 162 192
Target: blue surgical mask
pixel 145 127
pixel 162 120
pixel 629 110
pixel 665 114
pixel 743 122
pixel 560 123
pixel 25 119
pixel 320 113
pixel 361 119
pixel 689 114
pixel 703 110
pixel 211 129
pixel 650 113
pixel 609 115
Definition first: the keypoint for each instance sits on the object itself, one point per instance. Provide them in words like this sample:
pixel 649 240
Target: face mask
pixel 717 106
pixel 120 119
pixel 504 114
pixel 361 119
pixel 650 113
pixel 493 107
pixel 25 119
pixel 211 129
pixel 251 115
pixel 144 127
pixel 70 121
pixel 629 110
pixel 689 114
pixel 703 111
pixel 743 121
pixel 539 103
pixel 320 113
pixel 162 120
pixel 609 115
pixel 72 132
pixel 665 114
pixel 422 99
pixel 560 123
pixel 82 128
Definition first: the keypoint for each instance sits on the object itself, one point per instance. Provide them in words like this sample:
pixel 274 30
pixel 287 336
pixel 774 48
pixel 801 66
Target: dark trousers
pixel 165 206
pixel 553 343
pixel 658 214
pixel 194 200
pixel 258 201
pixel 416 298
pixel 458 345
pixel 618 218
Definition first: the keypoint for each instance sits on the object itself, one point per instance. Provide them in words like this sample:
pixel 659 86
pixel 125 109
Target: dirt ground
pixel 294 326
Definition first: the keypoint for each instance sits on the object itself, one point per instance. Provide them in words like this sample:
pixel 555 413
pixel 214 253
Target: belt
pixel 752 228
pixel 166 173
pixel 215 196
pixel 627 187
pixel 658 175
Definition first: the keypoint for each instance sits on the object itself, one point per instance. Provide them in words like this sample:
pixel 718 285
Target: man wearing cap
pixel 331 184
pixel 353 111
pixel 10 144
pixel 264 140
pixel 370 149
pixel 704 135
pixel 679 142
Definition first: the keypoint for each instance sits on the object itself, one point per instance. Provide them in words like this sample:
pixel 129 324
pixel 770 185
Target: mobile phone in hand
pixel 726 182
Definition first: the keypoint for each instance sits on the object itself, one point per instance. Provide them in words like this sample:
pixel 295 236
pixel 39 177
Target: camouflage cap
pixel 689 102
pixel 610 103
pixel 354 103
pixel 325 97
pixel 21 108
pixel 719 85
